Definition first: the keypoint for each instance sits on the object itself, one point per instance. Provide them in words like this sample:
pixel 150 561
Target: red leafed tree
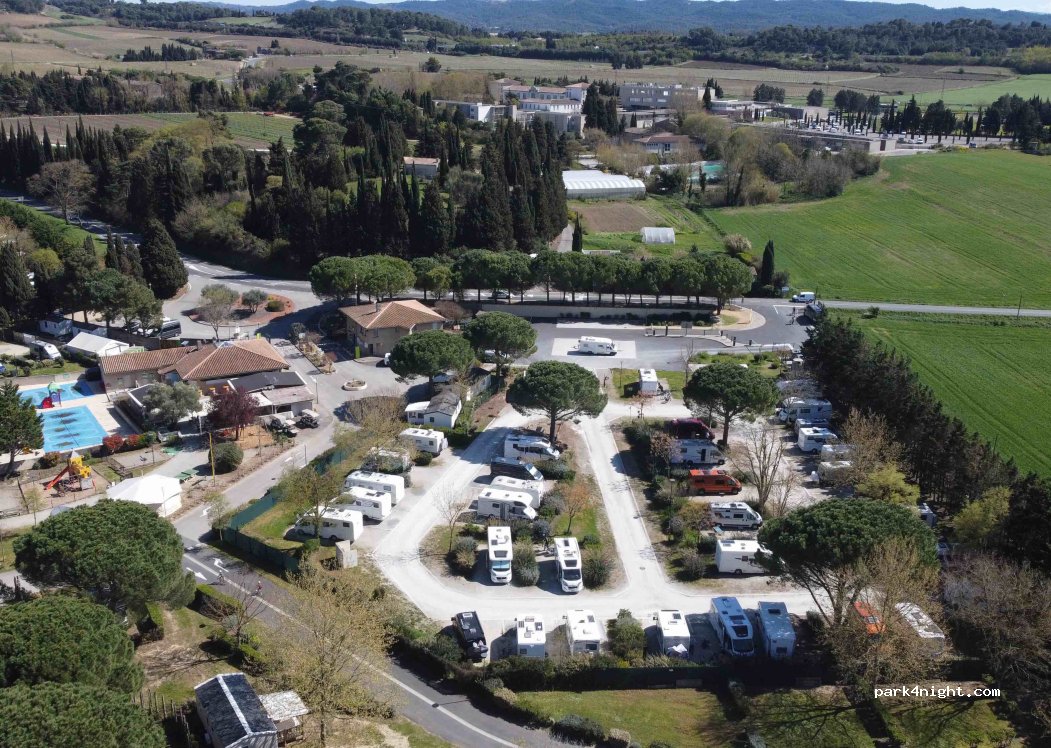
pixel 232 409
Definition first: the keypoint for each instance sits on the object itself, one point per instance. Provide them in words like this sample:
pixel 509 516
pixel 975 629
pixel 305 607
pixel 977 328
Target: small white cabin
pixel 535 488
pixel 673 633
pixel 776 633
pixel 583 632
pixel 530 636
pixel 813 439
pixel 425 440
pixel 392 484
pixel 56 325
pixel 370 502
pixel 648 382
pixel 736 556
pixel 932 636
pixel 337 523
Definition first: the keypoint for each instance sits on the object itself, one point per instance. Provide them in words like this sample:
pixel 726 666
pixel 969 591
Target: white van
pixel 529 448
pixel 804 407
pixel 597 346
pixel 696 452
pixel 425 440
pixel 811 440
pixel 673 634
pixel 392 484
pixel 567 552
pixel 535 488
pixel 499 554
pixel 505 505
pixel 583 632
pixel 804 297
pixel 373 504
pixel 735 515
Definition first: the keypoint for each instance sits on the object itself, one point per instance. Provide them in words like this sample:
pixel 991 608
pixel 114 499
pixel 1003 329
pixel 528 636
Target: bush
pixel 575 727
pixel 706 544
pixel 675 527
pixel 541 531
pixel 214 604
pixel 555 469
pixel 590 540
pixel 619 739
pixel 521 530
pixel 459 437
pixel 151 627
pixel 524 569
pixel 112 444
pixel 48 460
pixel 596 569
pixel 184 593
pixel 444 648
pixel 423 459
pixel 693 565
pixel 552 505
pixel 227 457
pixel 627 640
pixel 275 305
pixel 463 556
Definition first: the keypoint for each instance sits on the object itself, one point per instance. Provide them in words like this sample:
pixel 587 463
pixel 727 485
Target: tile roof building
pixel 377 327
pixel 231 358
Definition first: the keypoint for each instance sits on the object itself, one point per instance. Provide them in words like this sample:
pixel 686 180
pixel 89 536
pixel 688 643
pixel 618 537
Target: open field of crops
pixel 615 225
pixel 956 228
pixel 990 372
pixel 973 97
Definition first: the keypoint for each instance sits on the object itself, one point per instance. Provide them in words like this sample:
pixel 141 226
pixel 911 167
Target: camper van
pixel 731 627
pixel 514 469
pixel 804 407
pixel 736 556
pixel 776 634
pixel 735 515
pixel 535 488
pixel 424 440
pixel 836 451
pixel 696 452
pixel 673 634
pixel 583 632
pixel 717 482
pixel 809 423
pixel 499 554
pixel 505 505
pixel 869 619
pixel 529 448
pixel 392 484
pixel 567 552
pixel 530 636
pixel 921 623
pixel 811 440
pixel 370 502
pixel 648 382
pixel 169 328
pixel 597 346
pixel 337 523
pixel 829 471
pixel 472 638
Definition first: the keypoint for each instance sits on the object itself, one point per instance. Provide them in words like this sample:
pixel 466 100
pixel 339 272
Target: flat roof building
pixel 587 183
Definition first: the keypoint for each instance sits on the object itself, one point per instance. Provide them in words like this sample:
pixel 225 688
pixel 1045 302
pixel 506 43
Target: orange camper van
pixel 868 618
pixel 714 482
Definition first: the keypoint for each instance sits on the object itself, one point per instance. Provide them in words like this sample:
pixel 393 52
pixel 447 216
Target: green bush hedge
pixel 214 604
pixel 596 569
pixel 275 305
pixel 524 569
pixel 555 469
pixel 423 459
pixel 227 457
pixel 575 727
pixel 463 556
pixel 459 437
pixel 151 625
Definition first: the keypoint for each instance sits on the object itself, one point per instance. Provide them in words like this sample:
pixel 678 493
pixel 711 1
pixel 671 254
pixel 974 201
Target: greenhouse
pixel 592 184
pixel 655 235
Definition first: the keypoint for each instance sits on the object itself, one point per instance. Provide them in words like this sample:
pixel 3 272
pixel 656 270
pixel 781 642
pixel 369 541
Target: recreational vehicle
pixel 829 471
pixel 370 502
pixel 928 631
pixel 514 469
pixel 736 556
pixel 717 482
pixel 567 552
pixel 696 452
pixel 534 488
pixel 472 638
pixel 648 382
pixel 505 505
pixel 597 346
pixel 731 627
pixel 689 428
pixel 392 484
pixel 529 448
pixel 583 632
pixel 500 554
pixel 424 440
pixel 811 440
pixel 735 515
pixel 776 634
pixel 809 423
pixel 837 451
pixel 530 636
pixel 673 634
pixel 804 407
pixel 869 618
pixel 337 523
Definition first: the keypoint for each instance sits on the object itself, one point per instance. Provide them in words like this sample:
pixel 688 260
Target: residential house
pixel 664 144
pixel 477 112
pixel 273 391
pixel 423 168
pixel 442 411
pixel 496 87
pixel 198 364
pixel 375 328
pixel 659 96
pixel 739 110
pixel 232 714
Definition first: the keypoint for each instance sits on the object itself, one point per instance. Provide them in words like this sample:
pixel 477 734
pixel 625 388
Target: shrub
pixel 619 739
pixel 423 459
pixel 552 505
pixel 521 530
pixel 706 544
pixel 275 305
pixel 227 457
pixel 151 626
pixel 596 569
pixel 541 531
pixel 555 469
pixel 693 565
pixel 575 727
pixel 112 444
pixel 445 648
pixel 48 460
pixel 590 540
pixel 524 569
pixel 463 556
pixel 675 526
pixel 627 640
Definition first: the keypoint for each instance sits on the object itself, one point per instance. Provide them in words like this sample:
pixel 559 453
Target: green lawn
pixel 957 228
pixel 244 126
pixel 679 717
pixel 768 364
pixel 271 526
pixel 626 379
pixel 983 94
pixel 992 377
pixel 951 723
pixel 822 718
pixel 7 552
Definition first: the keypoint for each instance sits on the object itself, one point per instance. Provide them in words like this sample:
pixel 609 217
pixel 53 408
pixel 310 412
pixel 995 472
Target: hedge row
pixel 210 602
pixel 151 625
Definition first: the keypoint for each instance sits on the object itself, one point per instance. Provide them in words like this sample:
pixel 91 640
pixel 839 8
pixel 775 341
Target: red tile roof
pixel 405 315
pixel 126 363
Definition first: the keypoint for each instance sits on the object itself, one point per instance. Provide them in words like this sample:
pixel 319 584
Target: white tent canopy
pixel 657 235
pixel 159 492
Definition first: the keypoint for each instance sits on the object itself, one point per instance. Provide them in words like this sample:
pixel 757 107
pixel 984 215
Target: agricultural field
pixel 990 372
pixel 956 228
pixel 984 94
pixel 615 226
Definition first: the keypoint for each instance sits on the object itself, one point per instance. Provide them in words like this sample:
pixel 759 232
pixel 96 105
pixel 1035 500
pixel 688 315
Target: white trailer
pixel 499 554
pixel 530 636
pixel 425 440
pixel 337 523
pixel 804 407
pixel 583 632
pixel 831 470
pixel 567 554
pixel 373 504
pixel 529 448
pixel 535 488
pixel 392 484
pixel 731 627
pixel 813 439
pixel 597 346
pixel 776 633
pixel 696 452
pixel 648 382
pixel 673 634
pixel 738 556
pixel 930 634
pixel 505 505
pixel 837 451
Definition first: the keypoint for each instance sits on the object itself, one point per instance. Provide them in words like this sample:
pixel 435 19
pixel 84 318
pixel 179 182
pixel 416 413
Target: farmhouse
pixel 442 411
pixel 377 327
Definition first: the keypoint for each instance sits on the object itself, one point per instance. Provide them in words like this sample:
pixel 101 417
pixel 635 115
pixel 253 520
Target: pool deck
pixel 99 404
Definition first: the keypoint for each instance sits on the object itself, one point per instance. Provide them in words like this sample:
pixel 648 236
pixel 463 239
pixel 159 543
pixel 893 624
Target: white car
pixel 804 297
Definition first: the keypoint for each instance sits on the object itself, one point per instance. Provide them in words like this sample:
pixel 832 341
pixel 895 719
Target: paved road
pixel 998 311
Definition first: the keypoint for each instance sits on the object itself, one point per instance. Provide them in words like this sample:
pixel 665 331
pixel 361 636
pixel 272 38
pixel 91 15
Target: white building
pixel 425 440
pixel 478 112
pixel 442 411
pixel 159 492
pixel 583 632
pixel 423 168
pixel 775 629
pixel 530 636
pixel 659 95
pixel 582 184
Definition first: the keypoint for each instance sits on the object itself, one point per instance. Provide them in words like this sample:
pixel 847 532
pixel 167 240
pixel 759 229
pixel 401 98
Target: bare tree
pixel 243 605
pixel 217 307
pixel 781 493
pixel 661 447
pixel 314 492
pixel 450 504
pixel 871 446
pixel 761 456
pixel 64 185
pixel 578 497
pixel 217 509
pixel 32 501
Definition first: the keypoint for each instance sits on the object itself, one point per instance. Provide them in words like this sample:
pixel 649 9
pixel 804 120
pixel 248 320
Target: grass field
pixel 983 94
pixel 822 718
pixel 957 228
pixel 989 372
pixel 947 724
pixel 615 226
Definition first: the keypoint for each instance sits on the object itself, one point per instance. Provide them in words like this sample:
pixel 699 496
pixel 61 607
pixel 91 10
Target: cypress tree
pixel 395 219
pixel 494 227
pixel 766 273
pixel 578 236
pixel 162 267
pixel 81 265
pixel 434 225
pixel 16 292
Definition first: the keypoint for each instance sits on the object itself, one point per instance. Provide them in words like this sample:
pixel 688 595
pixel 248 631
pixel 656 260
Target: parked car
pixel 308 419
pixel 472 638
pixel 804 297
pixel 279 425
pixel 500 295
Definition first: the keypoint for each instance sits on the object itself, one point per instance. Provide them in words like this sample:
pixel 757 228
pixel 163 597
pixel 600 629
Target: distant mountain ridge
pixel 671 15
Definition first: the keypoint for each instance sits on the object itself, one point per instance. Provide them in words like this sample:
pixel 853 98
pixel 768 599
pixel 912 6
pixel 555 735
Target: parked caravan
pixel 472 638
pixel 803 407
pixel 869 618
pixel 717 482
pixel 514 469
pixel 689 428
pixel 337 523
pixel 673 634
pixel 776 634
pixel 370 502
pixel 836 451
pixel 829 471
pixel 927 515
pixel 505 505
pixel 736 556
pixel 567 553
pixel 648 382
pixel 500 554
pixel 392 484
pixel 535 488
pixel 56 326
pixel 425 440
pixel 597 346
pixel 530 636
pixel 735 515
pixel 731 627
pixel 583 632
pixel 529 448
pixel 809 423
pixel 696 452
pixel 811 440
pixel 928 631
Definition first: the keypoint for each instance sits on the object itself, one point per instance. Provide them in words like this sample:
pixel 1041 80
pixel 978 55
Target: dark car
pixel 514 469
pixel 472 638
pixel 689 428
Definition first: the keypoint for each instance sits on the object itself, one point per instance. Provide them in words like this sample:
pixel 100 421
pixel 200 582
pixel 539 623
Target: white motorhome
pixel 738 556
pixel 804 407
pixel 505 505
pixel 529 448
pixel 370 502
pixel 535 488
pixel 673 634
pixel 775 630
pixel 831 470
pixel 696 452
pixel 597 346
pixel 425 440
pixel 530 636
pixel 813 439
pixel 392 484
pixel 735 515
pixel 583 632
pixel 567 553
pixel 500 554
pixel 648 382
pixel 928 631
pixel 809 423
pixel 837 451
pixel 337 523
pixel 731 627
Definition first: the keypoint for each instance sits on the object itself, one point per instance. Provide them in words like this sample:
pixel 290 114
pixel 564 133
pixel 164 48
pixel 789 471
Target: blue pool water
pixel 67 391
pixel 71 428
pixel 714 169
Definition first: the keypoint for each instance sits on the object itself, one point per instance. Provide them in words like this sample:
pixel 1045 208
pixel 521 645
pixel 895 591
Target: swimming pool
pixel 67 391
pixel 71 428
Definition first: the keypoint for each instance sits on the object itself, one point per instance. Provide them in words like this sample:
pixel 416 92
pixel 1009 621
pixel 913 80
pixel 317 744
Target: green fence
pixel 232 534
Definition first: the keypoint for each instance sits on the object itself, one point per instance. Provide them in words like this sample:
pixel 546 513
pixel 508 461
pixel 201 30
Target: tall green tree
pixel 729 391
pixel 337 278
pixel 16 292
pixel 508 336
pixel 766 273
pixel 578 236
pixel 725 278
pixel 162 267
pixel 558 390
pixel 429 353
pixel 80 264
pixel 434 225
pixel 20 426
